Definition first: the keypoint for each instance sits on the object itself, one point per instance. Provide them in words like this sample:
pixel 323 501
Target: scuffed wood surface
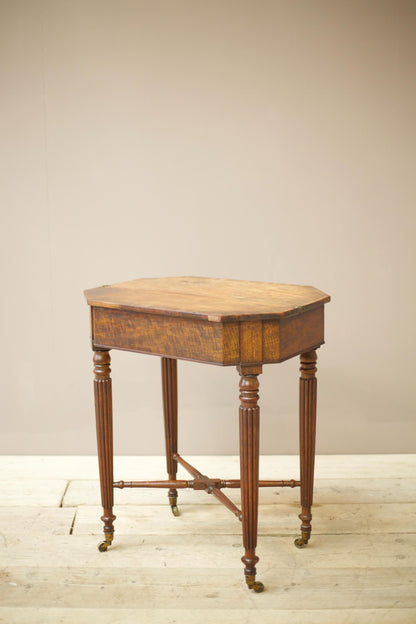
pixel 35 521
pixel 27 615
pixel 360 566
pixel 208 298
pixel 273 519
pixel 39 492
pixel 196 551
pixel 196 588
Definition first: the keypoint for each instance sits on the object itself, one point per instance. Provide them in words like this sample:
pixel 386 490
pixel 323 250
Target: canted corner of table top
pixel 219 321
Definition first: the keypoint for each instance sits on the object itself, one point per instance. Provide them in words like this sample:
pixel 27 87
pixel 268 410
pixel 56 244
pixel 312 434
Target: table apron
pixel 199 340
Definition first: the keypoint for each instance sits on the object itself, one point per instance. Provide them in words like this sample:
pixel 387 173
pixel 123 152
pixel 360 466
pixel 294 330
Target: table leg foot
pixel 175 510
pixel 301 542
pixel 173 497
pixel 256 586
pixel 106 543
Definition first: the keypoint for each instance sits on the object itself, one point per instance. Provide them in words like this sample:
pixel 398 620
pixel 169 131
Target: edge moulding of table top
pixel 216 321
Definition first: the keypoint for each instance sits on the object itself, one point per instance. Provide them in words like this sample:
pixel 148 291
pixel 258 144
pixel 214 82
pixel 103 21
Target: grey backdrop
pixel 265 140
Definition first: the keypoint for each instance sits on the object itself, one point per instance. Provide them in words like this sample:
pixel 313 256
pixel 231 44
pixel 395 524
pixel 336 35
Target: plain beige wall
pixel 262 140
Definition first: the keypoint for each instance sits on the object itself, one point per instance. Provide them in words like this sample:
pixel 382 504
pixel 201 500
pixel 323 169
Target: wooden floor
pixel 360 566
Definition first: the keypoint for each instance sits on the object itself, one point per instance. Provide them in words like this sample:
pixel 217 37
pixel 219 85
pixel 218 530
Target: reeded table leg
pixel 104 423
pixel 170 414
pixel 249 474
pixel 307 434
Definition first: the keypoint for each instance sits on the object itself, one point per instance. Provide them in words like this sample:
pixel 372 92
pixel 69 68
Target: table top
pixel 208 298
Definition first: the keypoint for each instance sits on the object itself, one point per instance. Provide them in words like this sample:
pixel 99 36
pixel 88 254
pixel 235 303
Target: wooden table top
pixel 208 298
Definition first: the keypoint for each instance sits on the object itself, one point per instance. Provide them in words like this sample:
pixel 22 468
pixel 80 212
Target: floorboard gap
pixel 73 522
pixel 64 493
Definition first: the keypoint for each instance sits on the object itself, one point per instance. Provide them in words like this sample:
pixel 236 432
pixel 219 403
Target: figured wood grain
pixel 184 338
pixel 216 300
pixel 292 335
pixel 203 341
pixel 251 343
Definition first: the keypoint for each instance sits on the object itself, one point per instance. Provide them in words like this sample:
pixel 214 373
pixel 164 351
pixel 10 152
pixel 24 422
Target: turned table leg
pixel 170 414
pixel 104 423
pixel 249 473
pixel 307 434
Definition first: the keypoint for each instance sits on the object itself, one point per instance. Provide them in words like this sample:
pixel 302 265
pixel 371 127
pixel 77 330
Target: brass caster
pixel 106 543
pixel 255 585
pixel 300 542
pixel 175 510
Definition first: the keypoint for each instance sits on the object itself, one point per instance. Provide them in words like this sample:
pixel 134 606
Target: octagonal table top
pixel 212 299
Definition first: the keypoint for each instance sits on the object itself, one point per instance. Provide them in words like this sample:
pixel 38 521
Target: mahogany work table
pixel 216 321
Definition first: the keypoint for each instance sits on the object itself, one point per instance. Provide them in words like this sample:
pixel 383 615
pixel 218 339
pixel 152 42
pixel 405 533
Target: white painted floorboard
pixel 360 566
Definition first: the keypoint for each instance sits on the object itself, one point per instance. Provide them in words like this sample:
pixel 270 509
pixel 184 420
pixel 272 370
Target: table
pixel 216 321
